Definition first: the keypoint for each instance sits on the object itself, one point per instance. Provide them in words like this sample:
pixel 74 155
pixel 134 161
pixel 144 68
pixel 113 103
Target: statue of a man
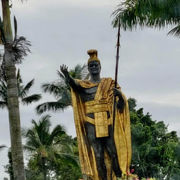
pixel 105 152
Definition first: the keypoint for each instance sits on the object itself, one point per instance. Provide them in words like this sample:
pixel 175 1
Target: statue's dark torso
pixel 88 94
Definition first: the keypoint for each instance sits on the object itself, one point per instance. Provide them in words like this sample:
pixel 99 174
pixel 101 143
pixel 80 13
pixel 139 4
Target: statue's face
pixel 94 68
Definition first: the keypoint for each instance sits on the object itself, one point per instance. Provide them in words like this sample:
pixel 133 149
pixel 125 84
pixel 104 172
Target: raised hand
pixel 64 70
pixel 117 92
pixel 68 78
pixel 121 103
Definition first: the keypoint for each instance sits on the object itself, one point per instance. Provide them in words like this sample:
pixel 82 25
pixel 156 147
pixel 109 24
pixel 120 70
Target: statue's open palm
pixel 64 70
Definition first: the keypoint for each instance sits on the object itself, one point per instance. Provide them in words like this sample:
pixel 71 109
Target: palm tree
pixel 61 90
pixel 23 91
pixel 14 51
pixel 47 147
pixel 151 13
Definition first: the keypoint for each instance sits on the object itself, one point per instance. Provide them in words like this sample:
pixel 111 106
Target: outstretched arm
pixel 121 103
pixel 69 79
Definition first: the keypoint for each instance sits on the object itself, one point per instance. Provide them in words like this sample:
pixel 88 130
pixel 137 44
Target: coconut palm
pixel 151 13
pixel 61 90
pixel 47 147
pixel 23 91
pixel 14 51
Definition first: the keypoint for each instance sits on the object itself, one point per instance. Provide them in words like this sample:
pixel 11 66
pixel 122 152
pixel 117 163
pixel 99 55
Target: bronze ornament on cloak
pixel 104 150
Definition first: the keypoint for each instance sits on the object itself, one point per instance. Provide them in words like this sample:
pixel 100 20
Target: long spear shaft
pixel 116 71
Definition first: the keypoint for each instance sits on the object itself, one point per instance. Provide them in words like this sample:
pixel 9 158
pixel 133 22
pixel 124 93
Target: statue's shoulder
pixel 85 83
pixel 88 84
pixel 111 82
pixel 108 79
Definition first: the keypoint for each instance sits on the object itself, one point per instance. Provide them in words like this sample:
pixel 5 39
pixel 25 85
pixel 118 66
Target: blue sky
pixel 61 32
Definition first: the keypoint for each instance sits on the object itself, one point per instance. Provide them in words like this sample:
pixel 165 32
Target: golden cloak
pixel 122 135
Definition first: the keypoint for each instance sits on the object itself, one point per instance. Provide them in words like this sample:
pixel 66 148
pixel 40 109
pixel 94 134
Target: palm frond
pixel 32 139
pixel 57 89
pixel 46 119
pixel 65 142
pixel 3 85
pixel 56 132
pixel 43 124
pixel 3 89
pixel 2 146
pixel 175 31
pixel 3 104
pixel 18 76
pixel 38 135
pixel 79 72
pixel 32 98
pixel 3 92
pixel 2 71
pixel 66 98
pixel 68 158
pixel 76 72
pixel 50 106
pixel 29 148
pixel 42 128
pixel 151 13
pixel 20 49
pixel 24 90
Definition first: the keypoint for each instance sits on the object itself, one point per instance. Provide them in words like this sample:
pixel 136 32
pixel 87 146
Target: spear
pixel 116 70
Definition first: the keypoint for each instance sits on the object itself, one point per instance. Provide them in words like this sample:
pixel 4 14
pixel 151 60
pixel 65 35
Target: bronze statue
pixel 105 152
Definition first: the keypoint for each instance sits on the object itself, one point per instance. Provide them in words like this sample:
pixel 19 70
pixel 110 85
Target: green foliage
pixel 23 91
pixel 155 150
pixel 51 152
pixel 68 172
pixel 151 13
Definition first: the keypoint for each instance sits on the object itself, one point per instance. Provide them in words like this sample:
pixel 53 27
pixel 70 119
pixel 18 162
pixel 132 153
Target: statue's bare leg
pixel 112 152
pixel 98 147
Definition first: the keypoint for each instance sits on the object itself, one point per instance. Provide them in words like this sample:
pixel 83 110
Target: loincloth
pixel 101 119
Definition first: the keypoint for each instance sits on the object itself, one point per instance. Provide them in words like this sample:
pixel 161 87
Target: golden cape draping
pixel 122 135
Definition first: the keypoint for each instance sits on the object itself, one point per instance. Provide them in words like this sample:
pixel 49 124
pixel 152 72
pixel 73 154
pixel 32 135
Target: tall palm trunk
pixel 12 93
pixel 44 168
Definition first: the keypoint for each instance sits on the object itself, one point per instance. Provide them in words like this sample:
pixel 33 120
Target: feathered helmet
pixel 93 53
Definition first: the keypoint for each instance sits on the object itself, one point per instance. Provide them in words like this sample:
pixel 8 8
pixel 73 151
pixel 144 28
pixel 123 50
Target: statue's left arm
pixel 121 102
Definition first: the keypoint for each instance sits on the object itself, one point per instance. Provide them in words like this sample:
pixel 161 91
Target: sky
pixel 61 32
